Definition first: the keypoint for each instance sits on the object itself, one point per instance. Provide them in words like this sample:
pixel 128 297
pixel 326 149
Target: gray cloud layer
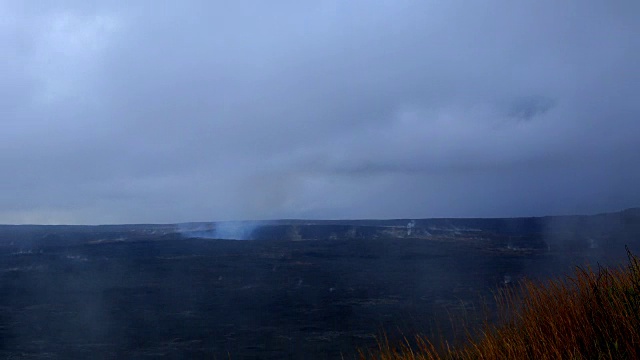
pixel 136 111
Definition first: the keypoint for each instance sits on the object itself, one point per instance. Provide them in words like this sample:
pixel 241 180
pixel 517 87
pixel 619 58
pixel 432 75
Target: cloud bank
pixel 123 112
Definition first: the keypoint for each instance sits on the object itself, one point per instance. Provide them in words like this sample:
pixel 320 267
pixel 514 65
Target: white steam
pixel 226 230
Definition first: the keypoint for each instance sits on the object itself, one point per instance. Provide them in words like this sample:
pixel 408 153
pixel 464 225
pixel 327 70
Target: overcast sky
pixel 149 111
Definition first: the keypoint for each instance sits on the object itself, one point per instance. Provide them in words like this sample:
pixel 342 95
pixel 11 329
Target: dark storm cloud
pixel 139 112
pixel 529 107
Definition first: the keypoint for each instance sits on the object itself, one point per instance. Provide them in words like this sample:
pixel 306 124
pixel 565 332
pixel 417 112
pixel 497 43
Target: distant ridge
pixel 547 233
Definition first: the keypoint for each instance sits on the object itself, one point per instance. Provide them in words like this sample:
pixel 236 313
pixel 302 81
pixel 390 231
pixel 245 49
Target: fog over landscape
pixel 140 111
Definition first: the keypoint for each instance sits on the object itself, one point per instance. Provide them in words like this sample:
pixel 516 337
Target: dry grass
pixel 593 314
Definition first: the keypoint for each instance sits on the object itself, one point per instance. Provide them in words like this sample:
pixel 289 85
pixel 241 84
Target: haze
pixel 140 111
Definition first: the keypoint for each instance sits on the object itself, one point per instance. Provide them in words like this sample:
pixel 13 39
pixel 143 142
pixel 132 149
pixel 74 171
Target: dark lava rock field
pixel 292 289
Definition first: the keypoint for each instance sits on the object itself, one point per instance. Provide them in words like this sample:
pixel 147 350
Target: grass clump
pixel 592 314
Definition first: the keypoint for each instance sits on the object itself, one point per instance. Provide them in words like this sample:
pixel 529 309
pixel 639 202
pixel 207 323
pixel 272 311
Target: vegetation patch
pixel 592 314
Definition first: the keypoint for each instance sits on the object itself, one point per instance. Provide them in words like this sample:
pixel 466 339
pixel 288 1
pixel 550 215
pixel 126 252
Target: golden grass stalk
pixel 592 314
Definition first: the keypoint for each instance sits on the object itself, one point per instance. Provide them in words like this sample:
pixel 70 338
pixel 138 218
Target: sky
pixel 160 112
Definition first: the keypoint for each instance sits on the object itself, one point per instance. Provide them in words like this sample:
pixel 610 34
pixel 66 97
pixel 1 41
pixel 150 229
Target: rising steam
pixel 224 230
